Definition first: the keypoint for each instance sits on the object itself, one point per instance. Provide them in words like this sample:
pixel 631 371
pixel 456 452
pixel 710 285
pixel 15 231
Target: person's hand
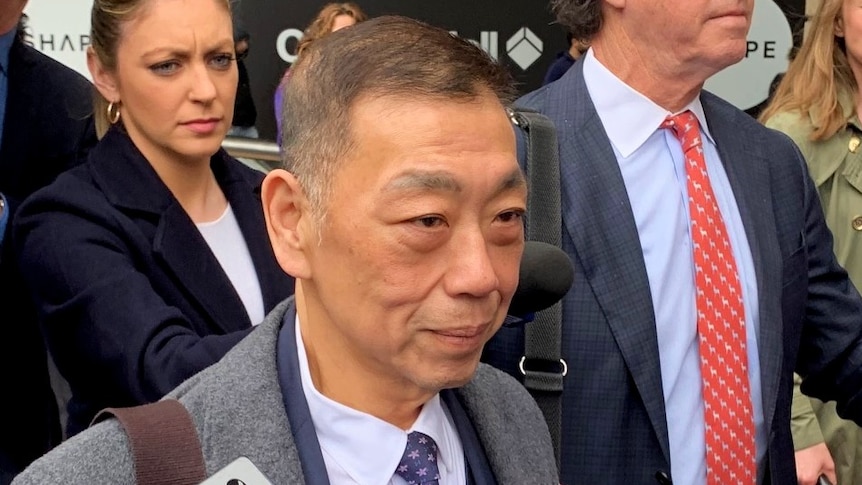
pixel 812 462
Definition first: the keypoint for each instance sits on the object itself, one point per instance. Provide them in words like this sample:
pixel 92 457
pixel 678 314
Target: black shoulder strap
pixel 541 365
pixel 164 442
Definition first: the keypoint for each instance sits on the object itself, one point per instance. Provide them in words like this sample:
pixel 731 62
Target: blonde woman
pixel 151 260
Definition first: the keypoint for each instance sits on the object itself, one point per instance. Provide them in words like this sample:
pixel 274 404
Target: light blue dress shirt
pixel 653 169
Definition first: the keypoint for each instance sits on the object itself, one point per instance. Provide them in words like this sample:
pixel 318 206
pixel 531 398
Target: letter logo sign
pixel 524 48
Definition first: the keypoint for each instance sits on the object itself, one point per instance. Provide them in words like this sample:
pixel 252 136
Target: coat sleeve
pixel 112 335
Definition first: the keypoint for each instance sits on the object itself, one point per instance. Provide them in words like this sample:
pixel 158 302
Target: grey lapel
pixel 600 222
pixel 237 406
pixel 748 171
pixel 510 428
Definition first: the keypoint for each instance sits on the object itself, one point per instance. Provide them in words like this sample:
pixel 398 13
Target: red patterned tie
pixel 728 415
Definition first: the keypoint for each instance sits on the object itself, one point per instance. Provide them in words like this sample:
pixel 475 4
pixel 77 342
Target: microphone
pixel 238 472
pixel 546 275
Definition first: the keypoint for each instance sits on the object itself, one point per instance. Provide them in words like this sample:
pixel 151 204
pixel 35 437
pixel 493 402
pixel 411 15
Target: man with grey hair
pixel 705 273
pixel 399 215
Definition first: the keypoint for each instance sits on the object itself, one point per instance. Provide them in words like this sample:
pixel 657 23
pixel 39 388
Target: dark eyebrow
pixel 514 180
pixel 421 179
pixel 439 180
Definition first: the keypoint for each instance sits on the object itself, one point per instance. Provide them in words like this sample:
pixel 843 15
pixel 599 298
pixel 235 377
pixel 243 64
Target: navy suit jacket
pixel 308 447
pixel 47 129
pixel 131 299
pixel 614 420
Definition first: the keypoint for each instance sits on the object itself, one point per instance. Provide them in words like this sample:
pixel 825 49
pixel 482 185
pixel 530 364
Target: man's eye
pixel 511 216
pixel 430 221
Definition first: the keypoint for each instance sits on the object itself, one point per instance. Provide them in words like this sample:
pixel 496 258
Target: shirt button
pixel 857 223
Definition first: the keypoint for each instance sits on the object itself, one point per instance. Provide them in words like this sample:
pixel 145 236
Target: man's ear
pixel 288 222
pixel 104 80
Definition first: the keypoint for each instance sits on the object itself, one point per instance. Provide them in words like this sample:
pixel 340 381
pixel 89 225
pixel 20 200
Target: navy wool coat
pixel 131 299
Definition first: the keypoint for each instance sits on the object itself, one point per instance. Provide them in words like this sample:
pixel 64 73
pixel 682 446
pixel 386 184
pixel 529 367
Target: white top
pixel 653 169
pixel 360 449
pixel 225 240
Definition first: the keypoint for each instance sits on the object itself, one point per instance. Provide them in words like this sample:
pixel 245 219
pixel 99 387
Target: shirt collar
pixel 369 449
pixel 629 117
pixel 6 41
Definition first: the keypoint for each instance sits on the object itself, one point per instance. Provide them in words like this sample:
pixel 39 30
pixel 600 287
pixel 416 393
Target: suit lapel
pixel 243 193
pixel 131 184
pixel 748 173
pixel 478 469
pixel 600 222
pixel 252 408
pixel 298 414
pixel 186 255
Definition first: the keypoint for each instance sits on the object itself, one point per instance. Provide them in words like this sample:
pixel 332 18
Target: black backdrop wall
pixel 519 33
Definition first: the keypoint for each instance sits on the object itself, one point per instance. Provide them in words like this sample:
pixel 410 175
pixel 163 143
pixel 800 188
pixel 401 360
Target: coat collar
pixel 131 184
pixel 240 394
pixel 129 181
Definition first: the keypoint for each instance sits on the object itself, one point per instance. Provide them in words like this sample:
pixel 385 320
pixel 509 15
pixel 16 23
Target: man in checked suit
pixel 637 408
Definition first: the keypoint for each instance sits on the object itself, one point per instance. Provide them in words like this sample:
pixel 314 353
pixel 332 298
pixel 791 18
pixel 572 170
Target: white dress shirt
pixel 653 169
pixel 361 449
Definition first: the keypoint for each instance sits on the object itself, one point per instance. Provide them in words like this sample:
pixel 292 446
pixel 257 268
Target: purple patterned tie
pixel 419 463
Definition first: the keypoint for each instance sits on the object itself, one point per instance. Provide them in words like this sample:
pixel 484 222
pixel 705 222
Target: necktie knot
pixel 418 465
pixel 685 127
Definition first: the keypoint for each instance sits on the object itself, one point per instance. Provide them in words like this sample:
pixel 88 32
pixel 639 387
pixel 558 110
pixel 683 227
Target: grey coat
pixel 237 408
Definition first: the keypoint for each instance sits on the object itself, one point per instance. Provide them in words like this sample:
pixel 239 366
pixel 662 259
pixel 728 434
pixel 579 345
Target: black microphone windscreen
pixel 546 276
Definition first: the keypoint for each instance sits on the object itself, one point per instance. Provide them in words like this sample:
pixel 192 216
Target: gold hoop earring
pixel 113 112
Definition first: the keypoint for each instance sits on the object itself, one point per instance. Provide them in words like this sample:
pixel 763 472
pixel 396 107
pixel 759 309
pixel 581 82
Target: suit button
pixel 857 223
pixel 663 478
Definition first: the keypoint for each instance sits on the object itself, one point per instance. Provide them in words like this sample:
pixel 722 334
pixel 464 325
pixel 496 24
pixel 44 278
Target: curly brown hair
pixel 583 18
pixel 323 22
